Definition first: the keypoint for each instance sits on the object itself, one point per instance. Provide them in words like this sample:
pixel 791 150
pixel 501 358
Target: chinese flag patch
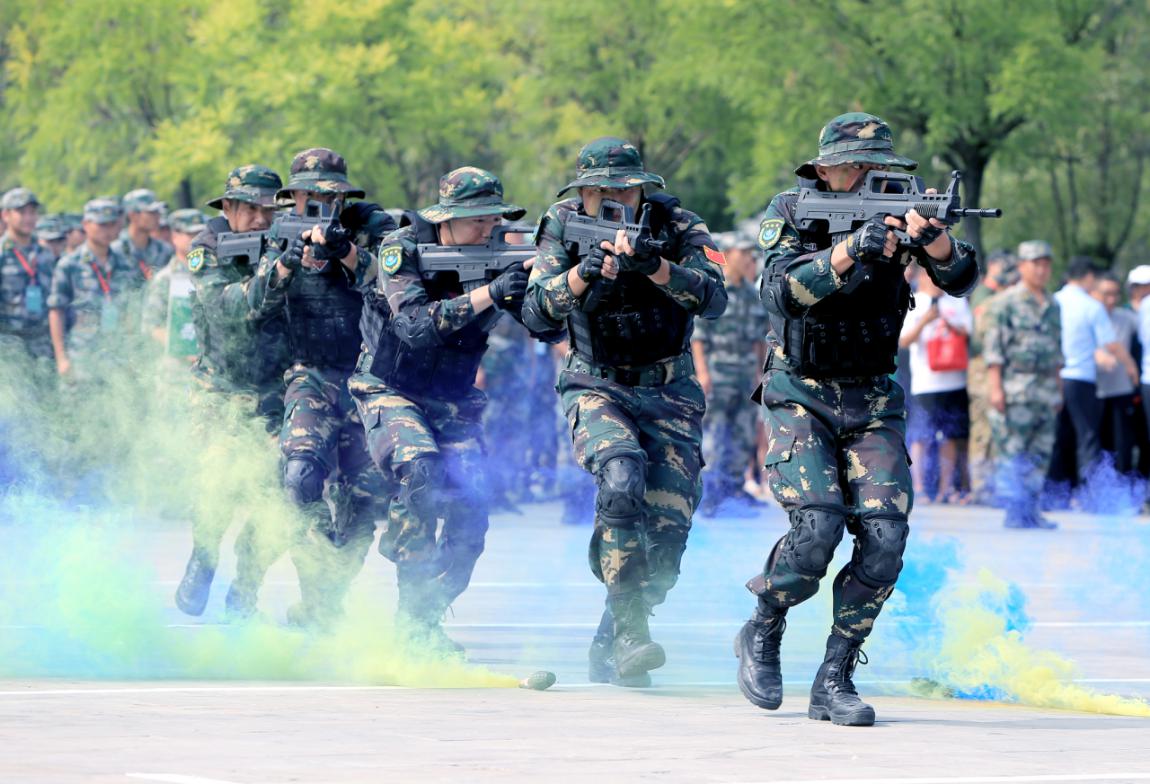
pixel 715 256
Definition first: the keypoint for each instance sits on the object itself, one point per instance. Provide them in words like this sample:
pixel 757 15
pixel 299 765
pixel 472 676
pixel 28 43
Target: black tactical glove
pixel 927 236
pixel 647 263
pixel 336 244
pixel 292 258
pixel 508 290
pixel 355 216
pixel 591 266
pixel 867 242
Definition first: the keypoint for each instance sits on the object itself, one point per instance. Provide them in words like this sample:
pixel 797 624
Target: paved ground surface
pixel 533 605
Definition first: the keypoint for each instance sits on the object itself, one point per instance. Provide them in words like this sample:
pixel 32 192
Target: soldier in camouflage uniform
pixel 136 242
pixel 836 421
pixel 241 355
pixel 51 234
pixel 327 471
pixel 167 301
pixel 728 353
pixel 629 390
pixel 73 224
pixel 1023 351
pixel 93 296
pixel 25 276
pixel 424 339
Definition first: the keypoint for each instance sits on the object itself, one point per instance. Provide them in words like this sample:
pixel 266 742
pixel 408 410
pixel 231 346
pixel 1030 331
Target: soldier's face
pixel 74 238
pixel 182 242
pixel 101 235
pixel 56 246
pixel 22 222
pixel 1034 273
pixel 846 177
pixel 301 198
pixel 147 222
pixel 244 216
pixel 469 231
pixel 593 197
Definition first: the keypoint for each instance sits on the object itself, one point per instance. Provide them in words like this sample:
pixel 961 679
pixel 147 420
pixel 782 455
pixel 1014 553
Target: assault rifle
pixel 476 265
pixel 583 234
pixel 285 227
pixel 882 194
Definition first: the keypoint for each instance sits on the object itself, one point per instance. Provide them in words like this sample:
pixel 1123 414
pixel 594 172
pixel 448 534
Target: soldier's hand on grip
pixel 867 242
pixel 591 266
pixel 335 246
pixel 508 290
pixel 292 258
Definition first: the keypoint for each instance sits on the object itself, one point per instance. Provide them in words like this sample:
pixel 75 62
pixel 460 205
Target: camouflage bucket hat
pixel 189 221
pixel 468 192
pixel 51 228
pixel 18 198
pixel 103 210
pixel 610 162
pixel 142 200
pixel 855 137
pixel 319 170
pixel 254 184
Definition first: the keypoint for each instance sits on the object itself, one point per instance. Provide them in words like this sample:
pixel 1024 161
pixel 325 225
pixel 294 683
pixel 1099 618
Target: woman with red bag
pixel 937 334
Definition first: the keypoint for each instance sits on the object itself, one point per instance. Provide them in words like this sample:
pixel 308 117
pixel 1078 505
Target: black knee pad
pixel 878 551
pixel 303 480
pixel 421 487
pixel 619 503
pixel 816 530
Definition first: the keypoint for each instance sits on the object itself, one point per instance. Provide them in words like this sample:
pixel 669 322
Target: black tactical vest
pixel 853 332
pixel 323 314
pixel 442 371
pixel 635 323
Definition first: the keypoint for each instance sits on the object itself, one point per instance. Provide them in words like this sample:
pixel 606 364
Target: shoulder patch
pixel 769 233
pixel 715 256
pixel 197 258
pixel 390 258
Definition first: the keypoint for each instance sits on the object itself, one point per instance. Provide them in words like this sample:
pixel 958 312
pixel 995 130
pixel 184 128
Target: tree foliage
pixel 1042 103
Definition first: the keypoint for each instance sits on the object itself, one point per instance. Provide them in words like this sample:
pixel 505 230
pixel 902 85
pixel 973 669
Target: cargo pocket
pixel 780 449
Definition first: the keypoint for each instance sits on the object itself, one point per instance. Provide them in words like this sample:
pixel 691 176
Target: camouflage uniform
pixel 99 300
pixel 731 347
pixel 25 279
pixel 51 233
pixel 1024 336
pixel 242 355
pixel 327 471
pixel 634 406
pixel 167 301
pixel 836 422
pixel 414 388
pixel 155 254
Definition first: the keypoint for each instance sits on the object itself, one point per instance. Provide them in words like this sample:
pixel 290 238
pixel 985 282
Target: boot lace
pixel 844 674
pixel 767 635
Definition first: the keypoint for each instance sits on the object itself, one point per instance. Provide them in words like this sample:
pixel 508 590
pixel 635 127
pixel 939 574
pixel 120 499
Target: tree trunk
pixel 972 163
pixel 186 198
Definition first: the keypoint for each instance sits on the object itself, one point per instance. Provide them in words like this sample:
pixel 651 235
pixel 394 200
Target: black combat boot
pixel 241 600
pixel 635 653
pixel 757 648
pixel 833 695
pixel 420 618
pixel 192 595
pixel 601 658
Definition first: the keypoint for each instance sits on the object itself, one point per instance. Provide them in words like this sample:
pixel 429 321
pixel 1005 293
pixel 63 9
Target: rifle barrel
pixel 974 212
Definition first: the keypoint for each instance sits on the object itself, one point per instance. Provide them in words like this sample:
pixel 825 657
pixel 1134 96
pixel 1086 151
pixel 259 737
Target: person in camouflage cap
pixel 326 469
pixel 167 302
pixel 1022 347
pixel 241 356
pixel 92 302
pixel 414 385
pixel 25 275
pixel 628 388
pixel 728 353
pixel 836 422
pixel 73 230
pixel 52 234
pixel 136 241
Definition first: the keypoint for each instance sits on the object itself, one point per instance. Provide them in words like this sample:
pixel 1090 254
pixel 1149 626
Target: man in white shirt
pixel 1116 386
pixel 941 410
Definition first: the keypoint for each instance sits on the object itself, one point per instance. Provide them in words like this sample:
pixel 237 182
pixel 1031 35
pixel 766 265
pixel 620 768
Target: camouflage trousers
pixel 981 450
pixel 838 444
pixel 729 435
pixel 321 425
pixel 1023 442
pixel 661 428
pixel 257 547
pixel 432 570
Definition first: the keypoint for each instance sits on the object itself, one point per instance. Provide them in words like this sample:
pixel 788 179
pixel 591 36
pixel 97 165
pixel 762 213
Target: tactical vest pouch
pixel 325 341
pixel 845 348
pixel 440 372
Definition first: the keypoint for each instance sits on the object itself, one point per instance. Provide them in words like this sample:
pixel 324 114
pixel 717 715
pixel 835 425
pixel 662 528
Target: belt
pixel 654 375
